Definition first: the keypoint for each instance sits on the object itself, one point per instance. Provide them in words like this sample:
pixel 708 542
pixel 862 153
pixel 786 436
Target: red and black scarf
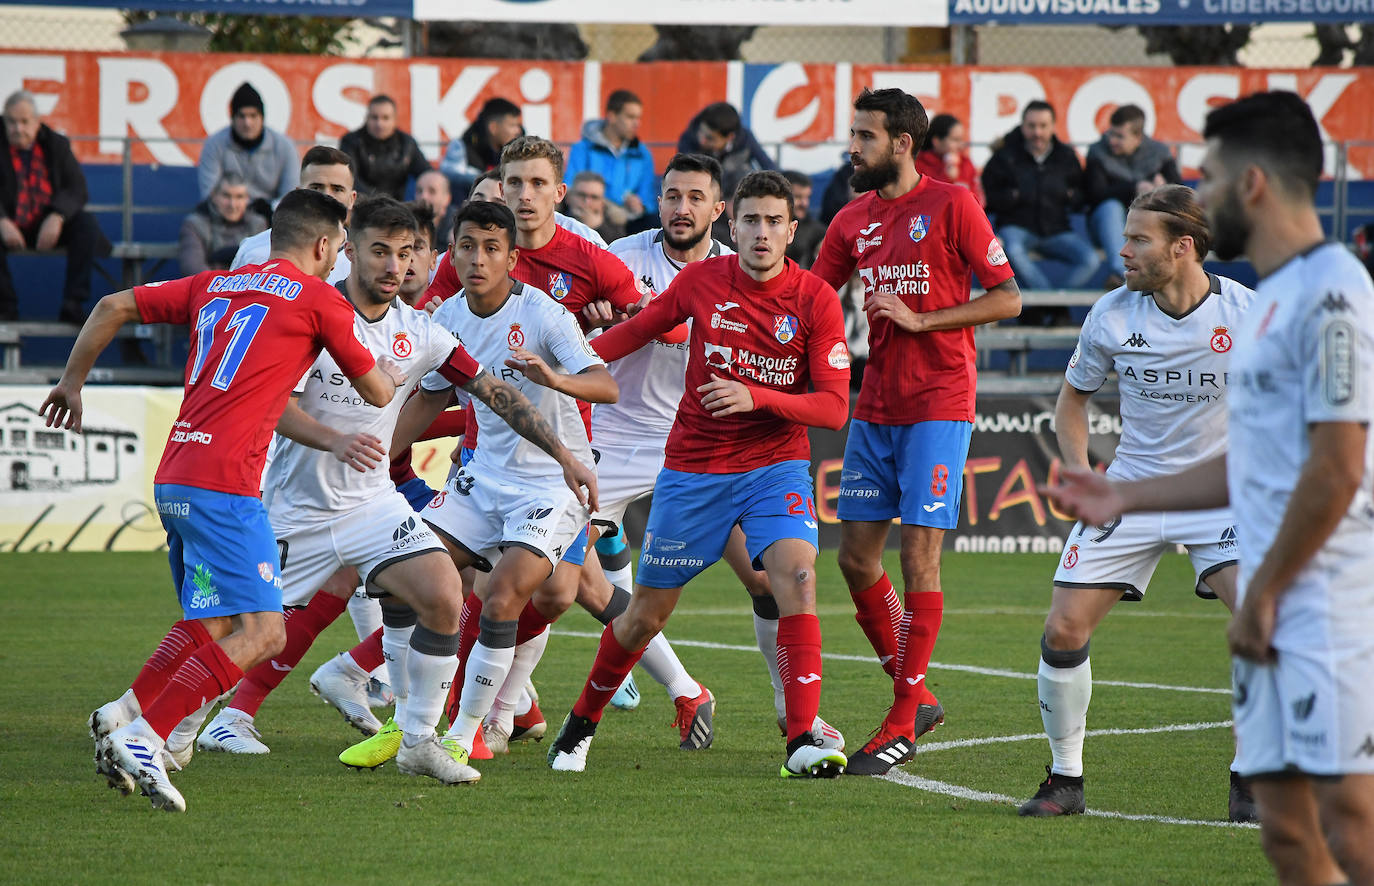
pixel 35 189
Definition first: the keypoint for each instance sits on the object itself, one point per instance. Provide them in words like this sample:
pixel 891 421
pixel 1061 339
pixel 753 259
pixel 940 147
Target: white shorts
pixel 371 538
pixel 1123 555
pixel 623 474
pixel 485 515
pixel 1310 712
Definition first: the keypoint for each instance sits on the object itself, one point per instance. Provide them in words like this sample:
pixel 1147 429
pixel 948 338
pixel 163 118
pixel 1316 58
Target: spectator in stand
pixel 212 233
pixel 1122 165
pixel 586 202
pixel 267 159
pixel 478 149
pixel 717 132
pixel 42 206
pixel 807 238
pixel 385 158
pixel 433 190
pixel 612 149
pixel 838 192
pixel 945 155
pixel 1033 181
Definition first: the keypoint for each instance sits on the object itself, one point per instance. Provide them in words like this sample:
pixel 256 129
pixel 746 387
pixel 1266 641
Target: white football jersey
pixel 1172 373
pixel 304 486
pixel 528 318
pixel 581 229
pixel 1304 354
pixel 652 378
pixel 255 250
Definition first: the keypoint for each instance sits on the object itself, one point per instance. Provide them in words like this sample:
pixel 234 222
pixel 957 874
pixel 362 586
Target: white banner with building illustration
pixel 93 491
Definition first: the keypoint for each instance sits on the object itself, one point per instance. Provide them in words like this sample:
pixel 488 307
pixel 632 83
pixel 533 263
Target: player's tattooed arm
pixel 518 412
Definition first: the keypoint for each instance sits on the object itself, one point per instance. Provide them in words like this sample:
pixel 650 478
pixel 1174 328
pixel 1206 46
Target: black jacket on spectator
pixel 1109 177
pixel 1031 195
pixel 383 167
pixel 64 174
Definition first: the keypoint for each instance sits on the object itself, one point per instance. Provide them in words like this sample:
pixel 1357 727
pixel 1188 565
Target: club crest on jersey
pixel 1221 340
pixel 919 227
pixel 516 338
pixel 401 346
pixel 784 327
pixel 560 285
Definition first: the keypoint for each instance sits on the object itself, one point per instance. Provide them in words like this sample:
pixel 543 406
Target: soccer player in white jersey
pixel 503 511
pixel 326 517
pixel 324 169
pixel 1167 334
pixel 1298 476
pixel 630 434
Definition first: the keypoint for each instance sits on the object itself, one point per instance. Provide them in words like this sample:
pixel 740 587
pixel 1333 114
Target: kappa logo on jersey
pixel 516 339
pixel 401 346
pixel 1071 558
pixel 560 285
pixel 919 227
pixel 784 327
pixel 996 256
pixel 839 356
pixel 1228 538
pixel 538 513
pixel 1221 340
pixel 718 356
pixel 1335 303
pixel 404 529
pixel 1136 340
pixel 648 281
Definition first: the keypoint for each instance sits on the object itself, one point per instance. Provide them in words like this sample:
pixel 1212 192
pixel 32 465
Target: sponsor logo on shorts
pixel 174 508
pixel 1303 707
pixel 996 256
pixel 404 529
pixel 918 228
pixel 1071 558
pixel 538 513
pixel 1228 539
pixel 849 474
pixel 533 529
pixel 265 571
pixel 1308 739
pixel 205 594
pixel 1366 749
pixel 1221 340
pixel 686 562
pixel 401 346
pixel 851 492
pixel 667 545
pixel 932 508
pixel 810 524
pixel 784 327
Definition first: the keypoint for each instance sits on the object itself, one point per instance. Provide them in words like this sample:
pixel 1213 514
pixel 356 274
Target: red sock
pixel 613 662
pixel 303 625
pixel 879 613
pixel 531 624
pixel 469 627
pixel 799 663
pixel 909 689
pixel 207 674
pixel 184 638
pixel 368 653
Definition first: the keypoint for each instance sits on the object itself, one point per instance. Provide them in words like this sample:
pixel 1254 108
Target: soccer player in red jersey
pixel 255 332
pixel 763 331
pixel 916 243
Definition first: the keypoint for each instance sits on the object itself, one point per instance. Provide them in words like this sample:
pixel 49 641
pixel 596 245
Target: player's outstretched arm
pixel 518 412
pixel 63 403
pixel 1001 302
pixel 359 451
pixel 1086 495
pixel 1329 480
pixel 825 407
pixel 1071 426
pixel 417 414
pixel 378 385
pixel 593 384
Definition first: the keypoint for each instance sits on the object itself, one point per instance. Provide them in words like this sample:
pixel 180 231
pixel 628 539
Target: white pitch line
pixel 968 669
pixel 1039 611
pixel 928 747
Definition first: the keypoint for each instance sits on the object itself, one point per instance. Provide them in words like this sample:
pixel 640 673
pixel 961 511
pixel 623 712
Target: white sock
pixel 663 665
pixel 366 613
pixel 766 635
pixel 428 678
pixel 486 674
pixel 1064 697
pixel 396 650
pixel 523 663
pixel 186 730
pixel 621 578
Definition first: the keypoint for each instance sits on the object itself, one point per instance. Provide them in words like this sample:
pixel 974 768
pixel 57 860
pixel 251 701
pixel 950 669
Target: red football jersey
pixel 574 272
pixel 255 332
pixel 926 245
pixel 780 335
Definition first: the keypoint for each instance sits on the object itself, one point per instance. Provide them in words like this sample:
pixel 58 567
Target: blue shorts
pixel 577 551
pixel 465 455
pixel 222 551
pixel 915 472
pixel 692 516
pixel 417 492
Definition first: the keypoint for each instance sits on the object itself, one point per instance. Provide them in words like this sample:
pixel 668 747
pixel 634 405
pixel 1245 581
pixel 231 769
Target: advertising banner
pixel 910 13
pixel 93 491
pixel 344 8
pixel 170 102
pixel 1118 13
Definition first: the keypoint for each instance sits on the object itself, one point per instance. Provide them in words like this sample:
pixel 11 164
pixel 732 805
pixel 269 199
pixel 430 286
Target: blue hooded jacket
pixel 627 171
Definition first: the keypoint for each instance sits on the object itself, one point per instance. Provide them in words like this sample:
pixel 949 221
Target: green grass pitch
pixel 77 626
